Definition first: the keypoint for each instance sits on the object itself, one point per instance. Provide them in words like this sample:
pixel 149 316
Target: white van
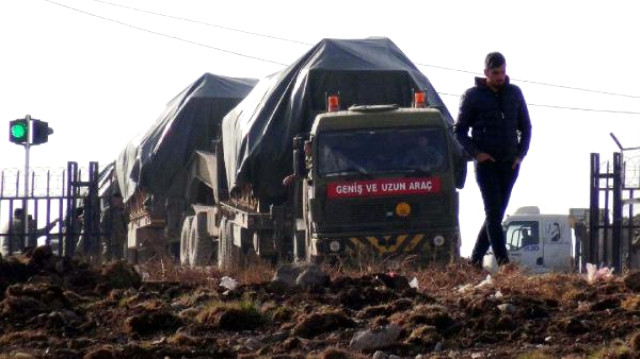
pixel 540 243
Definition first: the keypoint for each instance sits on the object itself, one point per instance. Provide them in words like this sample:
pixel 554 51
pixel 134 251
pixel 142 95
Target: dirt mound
pixel 119 275
pixel 151 322
pixel 319 323
pixel 55 307
pixel 236 316
pixel 632 281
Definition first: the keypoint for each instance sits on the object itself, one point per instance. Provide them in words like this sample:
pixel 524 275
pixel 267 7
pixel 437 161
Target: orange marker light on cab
pixel 420 99
pixel 333 103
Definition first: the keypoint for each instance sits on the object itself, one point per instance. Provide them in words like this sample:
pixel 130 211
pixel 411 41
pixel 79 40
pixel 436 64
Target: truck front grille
pixel 382 210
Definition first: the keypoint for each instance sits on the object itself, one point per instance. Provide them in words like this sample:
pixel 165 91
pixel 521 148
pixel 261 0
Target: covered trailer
pixel 152 171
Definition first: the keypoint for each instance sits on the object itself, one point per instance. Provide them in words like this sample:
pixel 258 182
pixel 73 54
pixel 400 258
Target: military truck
pixel 347 152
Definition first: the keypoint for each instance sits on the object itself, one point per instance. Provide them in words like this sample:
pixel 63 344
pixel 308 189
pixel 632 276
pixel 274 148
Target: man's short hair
pixel 18 212
pixel 494 60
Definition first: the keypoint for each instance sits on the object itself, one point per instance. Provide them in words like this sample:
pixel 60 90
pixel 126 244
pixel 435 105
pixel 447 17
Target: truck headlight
pixel 438 240
pixel 334 246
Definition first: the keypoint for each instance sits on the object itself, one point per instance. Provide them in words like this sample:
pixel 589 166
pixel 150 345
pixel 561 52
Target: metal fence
pixel 612 236
pixel 62 205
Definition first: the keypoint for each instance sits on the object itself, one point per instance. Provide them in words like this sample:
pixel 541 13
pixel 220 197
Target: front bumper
pixel 438 245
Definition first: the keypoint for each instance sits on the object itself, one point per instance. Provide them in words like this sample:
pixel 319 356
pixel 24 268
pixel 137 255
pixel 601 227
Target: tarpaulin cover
pixel 258 133
pixel 157 160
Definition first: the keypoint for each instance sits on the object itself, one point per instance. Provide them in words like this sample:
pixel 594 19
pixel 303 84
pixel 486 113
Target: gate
pixel 614 234
pixel 63 207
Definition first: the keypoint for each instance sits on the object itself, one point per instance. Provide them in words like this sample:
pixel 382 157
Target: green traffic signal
pixel 19 131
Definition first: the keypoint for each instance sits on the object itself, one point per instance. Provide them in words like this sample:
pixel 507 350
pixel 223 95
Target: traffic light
pixel 41 132
pixel 19 131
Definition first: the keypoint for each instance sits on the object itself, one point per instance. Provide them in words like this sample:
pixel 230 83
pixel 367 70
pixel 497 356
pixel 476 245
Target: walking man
pixel 497 115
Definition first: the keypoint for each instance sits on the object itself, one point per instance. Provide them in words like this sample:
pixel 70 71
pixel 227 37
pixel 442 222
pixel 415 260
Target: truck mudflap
pixel 438 247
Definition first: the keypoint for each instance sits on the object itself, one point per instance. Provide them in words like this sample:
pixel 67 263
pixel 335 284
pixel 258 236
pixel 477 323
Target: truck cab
pixel 379 181
pixel 538 242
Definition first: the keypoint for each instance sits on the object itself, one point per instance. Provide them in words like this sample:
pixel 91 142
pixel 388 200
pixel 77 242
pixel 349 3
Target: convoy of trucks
pixel 360 138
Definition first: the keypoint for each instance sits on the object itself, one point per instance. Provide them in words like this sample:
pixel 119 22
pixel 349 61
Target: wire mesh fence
pixel 631 158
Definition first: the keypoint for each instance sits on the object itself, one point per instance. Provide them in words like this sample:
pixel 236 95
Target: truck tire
pixel 223 253
pixel 229 256
pixel 200 243
pixel 299 245
pixel 184 241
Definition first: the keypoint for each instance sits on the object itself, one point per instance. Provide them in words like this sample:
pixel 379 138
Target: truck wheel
pixel 229 255
pixel 299 246
pixel 200 244
pixel 225 246
pixel 184 241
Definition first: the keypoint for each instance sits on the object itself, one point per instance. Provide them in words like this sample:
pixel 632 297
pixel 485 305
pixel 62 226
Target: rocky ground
pixel 52 307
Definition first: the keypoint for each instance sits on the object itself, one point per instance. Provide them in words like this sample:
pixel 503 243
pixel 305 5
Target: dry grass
pixel 632 303
pixel 258 271
pixel 166 270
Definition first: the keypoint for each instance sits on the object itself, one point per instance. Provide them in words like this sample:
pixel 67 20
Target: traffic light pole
pixel 28 132
pixel 25 203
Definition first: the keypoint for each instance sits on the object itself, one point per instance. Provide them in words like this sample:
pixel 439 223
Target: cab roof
pixel 378 116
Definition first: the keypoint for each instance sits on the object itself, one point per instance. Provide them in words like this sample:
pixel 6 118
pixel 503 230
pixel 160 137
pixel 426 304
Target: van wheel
pixel 184 241
pixel 200 244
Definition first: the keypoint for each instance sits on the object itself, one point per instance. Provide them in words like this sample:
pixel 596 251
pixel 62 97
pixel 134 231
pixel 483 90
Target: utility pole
pixel 25 203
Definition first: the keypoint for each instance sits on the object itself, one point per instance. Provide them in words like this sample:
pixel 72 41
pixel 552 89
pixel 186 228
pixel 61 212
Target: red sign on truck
pixel 384 187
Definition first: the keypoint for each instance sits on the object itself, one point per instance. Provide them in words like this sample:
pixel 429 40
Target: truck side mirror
pixel 298 156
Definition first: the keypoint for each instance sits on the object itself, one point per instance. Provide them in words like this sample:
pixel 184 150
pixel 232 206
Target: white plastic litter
pixel 228 283
pixel 498 295
pixel 414 283
pixel 486 282
pixel 594 274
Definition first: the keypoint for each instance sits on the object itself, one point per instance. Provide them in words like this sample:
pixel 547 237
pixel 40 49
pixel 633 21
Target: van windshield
pixel 414 150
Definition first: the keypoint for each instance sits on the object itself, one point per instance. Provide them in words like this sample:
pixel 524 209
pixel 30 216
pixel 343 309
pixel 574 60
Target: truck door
pixel 523 243
pixel 557 243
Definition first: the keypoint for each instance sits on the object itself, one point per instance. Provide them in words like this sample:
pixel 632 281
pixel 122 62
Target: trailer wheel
pixel 184 241
pixel 229 256
pixel 200 244
pixel 225 246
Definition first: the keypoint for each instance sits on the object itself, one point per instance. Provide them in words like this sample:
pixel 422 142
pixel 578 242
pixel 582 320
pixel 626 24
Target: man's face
pixel 496 77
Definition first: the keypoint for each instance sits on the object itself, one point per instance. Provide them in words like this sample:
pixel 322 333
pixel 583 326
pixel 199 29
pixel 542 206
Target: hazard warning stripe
pixel 403 243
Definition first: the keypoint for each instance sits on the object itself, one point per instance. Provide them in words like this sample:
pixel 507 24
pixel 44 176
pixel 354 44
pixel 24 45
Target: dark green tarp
pixel 157 160
pixel 257 134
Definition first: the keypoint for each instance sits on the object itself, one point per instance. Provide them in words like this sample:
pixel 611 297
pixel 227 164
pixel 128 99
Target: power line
pixel 167 35
pixel 538 82
pixel 203 23
pixel 564 107
pixel 282 64
pixel 310 44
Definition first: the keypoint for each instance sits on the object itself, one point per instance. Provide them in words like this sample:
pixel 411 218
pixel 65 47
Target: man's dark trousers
pixel 495 179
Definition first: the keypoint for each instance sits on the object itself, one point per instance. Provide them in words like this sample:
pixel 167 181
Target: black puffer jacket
pixel 499 121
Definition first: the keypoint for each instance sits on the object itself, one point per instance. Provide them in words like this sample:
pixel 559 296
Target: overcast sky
pixel 100 78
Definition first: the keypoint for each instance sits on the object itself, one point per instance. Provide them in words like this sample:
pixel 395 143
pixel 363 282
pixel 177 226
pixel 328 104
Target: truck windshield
pixel 414 150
